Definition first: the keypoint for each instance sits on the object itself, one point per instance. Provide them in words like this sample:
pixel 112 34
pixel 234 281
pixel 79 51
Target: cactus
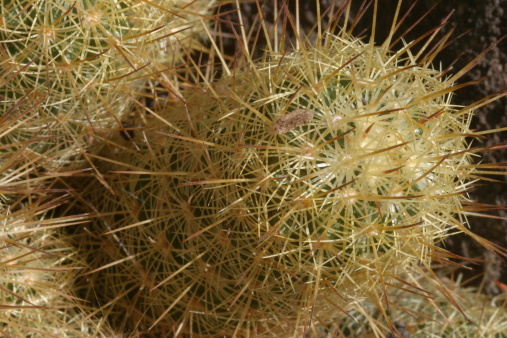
pixel 274 199
pixel 38 264
pixel 84 62
pixel 454 311
pixel 38 269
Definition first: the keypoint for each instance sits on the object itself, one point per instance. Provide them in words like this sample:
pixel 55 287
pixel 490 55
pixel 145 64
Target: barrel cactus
pixel 274 199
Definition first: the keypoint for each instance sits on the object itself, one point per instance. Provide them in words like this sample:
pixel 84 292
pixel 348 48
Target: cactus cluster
pixel 274 199
pixel 69 71
pixel 305 192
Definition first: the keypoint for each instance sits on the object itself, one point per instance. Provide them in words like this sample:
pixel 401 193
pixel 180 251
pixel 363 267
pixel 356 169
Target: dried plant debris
pixel 292 120
pixel 126 131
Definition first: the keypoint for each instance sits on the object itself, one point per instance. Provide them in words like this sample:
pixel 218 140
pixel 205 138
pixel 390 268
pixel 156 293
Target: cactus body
pixel 286 193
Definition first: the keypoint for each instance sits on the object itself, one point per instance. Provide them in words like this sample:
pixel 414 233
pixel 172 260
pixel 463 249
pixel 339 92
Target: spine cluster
pixel 150 190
